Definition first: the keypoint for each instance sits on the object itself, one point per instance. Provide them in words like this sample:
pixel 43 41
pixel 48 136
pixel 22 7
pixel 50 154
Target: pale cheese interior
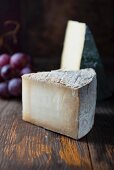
pixel 52 107
pixel 73 45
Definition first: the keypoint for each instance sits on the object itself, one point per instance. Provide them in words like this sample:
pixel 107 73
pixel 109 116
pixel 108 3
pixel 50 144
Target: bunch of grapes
pixel 11 70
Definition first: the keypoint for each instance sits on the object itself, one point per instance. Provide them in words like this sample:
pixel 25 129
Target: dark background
pixel 43 24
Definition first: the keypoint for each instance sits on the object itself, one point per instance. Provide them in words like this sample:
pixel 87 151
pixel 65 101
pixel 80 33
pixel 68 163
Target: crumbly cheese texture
pixel 61 101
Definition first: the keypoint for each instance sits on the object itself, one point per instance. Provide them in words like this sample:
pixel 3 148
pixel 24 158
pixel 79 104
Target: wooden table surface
pixel 24 146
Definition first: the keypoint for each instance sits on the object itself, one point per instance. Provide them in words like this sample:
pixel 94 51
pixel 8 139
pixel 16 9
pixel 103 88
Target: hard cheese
pixel 61 101
pixel 79 51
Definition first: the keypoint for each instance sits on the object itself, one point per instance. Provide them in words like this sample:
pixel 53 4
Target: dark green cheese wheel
pixel 91 59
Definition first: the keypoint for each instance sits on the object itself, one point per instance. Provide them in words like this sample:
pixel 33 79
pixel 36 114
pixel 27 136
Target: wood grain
pixel 26 146
pixel 101 138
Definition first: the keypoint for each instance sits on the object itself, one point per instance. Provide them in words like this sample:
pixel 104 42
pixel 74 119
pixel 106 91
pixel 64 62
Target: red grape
pixel 8 72
pixel 25 70
pixel 4 59
pixel 15 87
pixel 19 60
pixel 11 68
pixel 4 90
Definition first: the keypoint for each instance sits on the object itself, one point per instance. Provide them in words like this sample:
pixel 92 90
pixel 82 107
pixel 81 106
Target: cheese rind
pixel 87 96
pixel 55 100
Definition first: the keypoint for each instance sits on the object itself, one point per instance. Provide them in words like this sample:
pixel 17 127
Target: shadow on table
pixel 101 139
pixel 103 130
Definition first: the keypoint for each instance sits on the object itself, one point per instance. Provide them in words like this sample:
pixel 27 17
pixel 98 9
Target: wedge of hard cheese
pixel 61 101
pixel 79 52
